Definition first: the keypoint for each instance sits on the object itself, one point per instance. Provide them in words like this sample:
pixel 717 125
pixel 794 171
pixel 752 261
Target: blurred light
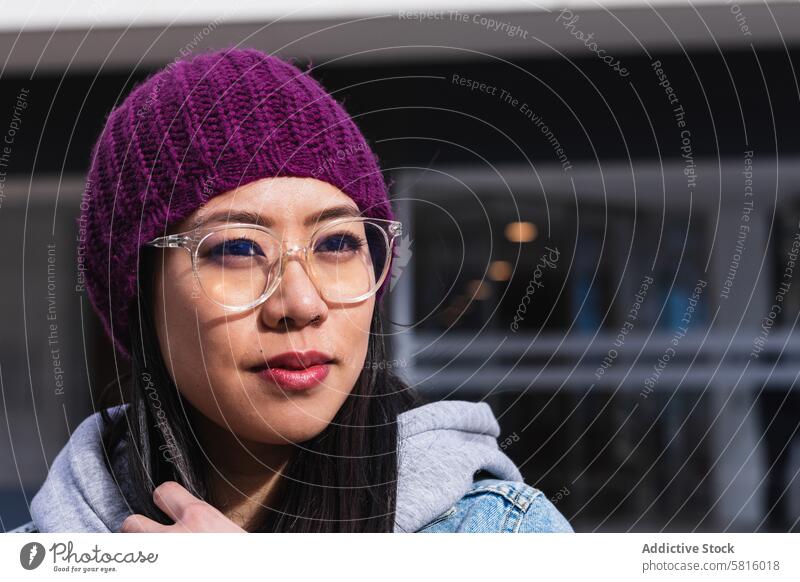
pixel 478 290
pixel 500 270
pixel 521 231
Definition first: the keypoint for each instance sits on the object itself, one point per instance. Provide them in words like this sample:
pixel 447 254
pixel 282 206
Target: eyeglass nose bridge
pixel 301 253
pixel 295 250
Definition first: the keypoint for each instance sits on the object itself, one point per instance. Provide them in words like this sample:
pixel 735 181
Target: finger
pixel 140 524
pixel 173 499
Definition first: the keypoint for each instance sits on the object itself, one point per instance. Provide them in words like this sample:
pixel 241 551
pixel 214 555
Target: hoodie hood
pixel 441 445
pixel 79 493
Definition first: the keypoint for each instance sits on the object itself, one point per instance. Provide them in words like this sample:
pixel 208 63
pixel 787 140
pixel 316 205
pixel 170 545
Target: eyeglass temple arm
pixel 170 241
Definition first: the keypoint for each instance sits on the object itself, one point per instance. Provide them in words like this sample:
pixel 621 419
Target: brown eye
pixel 238 247
pixel 338 243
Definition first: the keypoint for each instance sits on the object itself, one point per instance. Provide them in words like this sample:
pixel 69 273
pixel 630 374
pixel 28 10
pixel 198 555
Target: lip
pixel 296 370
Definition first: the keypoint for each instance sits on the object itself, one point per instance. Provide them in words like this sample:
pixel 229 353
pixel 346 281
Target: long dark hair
pixel 342 480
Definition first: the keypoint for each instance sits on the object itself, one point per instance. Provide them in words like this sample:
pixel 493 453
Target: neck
pixel 244 477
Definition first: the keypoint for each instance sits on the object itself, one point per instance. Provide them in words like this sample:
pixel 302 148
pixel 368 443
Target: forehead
pixel 276 202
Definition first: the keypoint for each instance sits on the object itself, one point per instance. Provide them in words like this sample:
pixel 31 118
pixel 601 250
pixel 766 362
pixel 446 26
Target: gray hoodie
pixel 440 446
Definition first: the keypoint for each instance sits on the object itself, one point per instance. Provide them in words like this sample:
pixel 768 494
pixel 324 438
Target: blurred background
pixel 601 207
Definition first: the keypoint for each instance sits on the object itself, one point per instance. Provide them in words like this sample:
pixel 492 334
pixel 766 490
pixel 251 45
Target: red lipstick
pixel 296 370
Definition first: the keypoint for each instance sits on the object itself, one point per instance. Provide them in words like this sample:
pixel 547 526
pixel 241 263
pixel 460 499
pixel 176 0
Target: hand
pixel 190 514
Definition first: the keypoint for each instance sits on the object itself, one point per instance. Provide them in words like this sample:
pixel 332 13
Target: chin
pixel 289 422
pixel 282 433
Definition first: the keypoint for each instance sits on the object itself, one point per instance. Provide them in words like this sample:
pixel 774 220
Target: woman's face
pixel 214 355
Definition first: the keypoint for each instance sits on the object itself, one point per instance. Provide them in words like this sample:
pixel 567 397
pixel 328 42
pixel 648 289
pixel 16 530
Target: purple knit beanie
pixel 195 129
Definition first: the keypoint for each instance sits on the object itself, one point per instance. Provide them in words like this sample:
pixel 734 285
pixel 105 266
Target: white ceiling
pixel 82 14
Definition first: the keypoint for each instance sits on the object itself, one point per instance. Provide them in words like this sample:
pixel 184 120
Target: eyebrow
pixel 251 217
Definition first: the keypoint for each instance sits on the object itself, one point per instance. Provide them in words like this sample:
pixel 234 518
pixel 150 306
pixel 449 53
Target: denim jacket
pixel 500 506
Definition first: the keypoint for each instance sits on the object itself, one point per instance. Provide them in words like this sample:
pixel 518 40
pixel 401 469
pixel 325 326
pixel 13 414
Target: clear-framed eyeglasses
pixel 239 266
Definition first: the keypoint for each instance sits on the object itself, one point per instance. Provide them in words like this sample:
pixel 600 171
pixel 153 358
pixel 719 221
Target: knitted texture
pixel 197 128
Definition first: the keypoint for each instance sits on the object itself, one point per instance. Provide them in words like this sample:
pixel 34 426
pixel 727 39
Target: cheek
pixel 172 304
pixel 192 344
pixel 353 336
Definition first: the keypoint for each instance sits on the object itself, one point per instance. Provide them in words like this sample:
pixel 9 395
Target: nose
pixel 296 302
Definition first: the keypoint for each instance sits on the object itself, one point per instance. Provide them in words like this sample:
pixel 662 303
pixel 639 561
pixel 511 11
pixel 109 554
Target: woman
pixel 239 243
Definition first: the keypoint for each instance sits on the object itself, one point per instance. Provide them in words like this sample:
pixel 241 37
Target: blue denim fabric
pixel 500 506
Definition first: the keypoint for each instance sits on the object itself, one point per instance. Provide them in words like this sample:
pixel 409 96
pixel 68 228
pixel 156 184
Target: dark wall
pixel 731 99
